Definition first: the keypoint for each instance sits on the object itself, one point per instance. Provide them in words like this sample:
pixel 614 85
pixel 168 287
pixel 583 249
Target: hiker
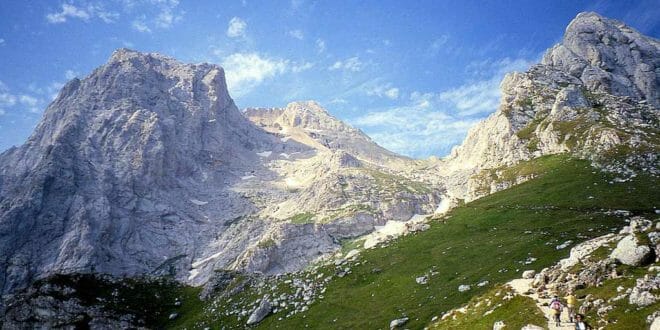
pixel 570 305
pixel 556 307
pixel 580 324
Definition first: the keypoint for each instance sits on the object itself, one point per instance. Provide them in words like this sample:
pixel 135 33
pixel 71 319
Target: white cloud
pixel 106 16
pixel 28 100
pixel 432 123
pixel 320 45
pixel 245 71
pixel 296 34
pixel 32 102
pixel 338 101
pixel 68 11
pixel 140 26
pixel 478 97
pixel 383 91
pixel 414 131
pixel 483 96
pixel 85 13
pixel 304 66
pixel 351 64
pixel 70 74
pixel 236 28
pixel 6 98
pixel 2 42
pixel 167 18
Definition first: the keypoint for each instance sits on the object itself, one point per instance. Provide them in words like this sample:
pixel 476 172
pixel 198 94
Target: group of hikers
pixel 557 307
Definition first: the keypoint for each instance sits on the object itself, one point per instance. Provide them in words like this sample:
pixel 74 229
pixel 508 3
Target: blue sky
pixel 414 75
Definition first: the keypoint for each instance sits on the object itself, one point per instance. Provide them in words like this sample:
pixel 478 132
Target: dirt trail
pixel 522 286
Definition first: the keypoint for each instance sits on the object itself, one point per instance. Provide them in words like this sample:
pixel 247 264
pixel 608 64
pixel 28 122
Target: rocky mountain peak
pixel 594 95
pixel 610 57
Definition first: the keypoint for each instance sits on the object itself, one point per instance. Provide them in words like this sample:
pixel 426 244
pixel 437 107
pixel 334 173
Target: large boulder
pixel 631 252
pixel 260 312
pixel 656 324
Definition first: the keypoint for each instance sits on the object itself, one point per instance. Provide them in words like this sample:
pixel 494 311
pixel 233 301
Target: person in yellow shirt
pixel 570 305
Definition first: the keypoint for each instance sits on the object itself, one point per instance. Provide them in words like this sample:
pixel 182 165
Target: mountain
pixel 594 95
pixel 147 166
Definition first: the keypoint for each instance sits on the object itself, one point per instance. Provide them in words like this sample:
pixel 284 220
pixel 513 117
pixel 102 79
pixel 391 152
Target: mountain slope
pixel 147 167
pixel 482 244
pixel 594 95
pixel 111 178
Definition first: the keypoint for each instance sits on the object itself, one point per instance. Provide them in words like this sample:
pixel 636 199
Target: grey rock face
pixel 610 57
pixel 595 92
pixel 147 166
pixel 260 312
pixel 107 182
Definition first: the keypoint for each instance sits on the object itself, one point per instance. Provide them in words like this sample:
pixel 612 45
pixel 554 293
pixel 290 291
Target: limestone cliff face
pixel 146 166
pixel 594 95
pixel 111 178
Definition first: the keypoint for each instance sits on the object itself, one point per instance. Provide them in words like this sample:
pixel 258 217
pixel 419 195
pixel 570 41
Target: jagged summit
pixel 106 180
pixel 595 94
pixel 146 166
pixel 308 122
pixel 610 57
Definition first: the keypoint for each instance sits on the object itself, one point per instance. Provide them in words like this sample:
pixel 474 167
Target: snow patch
pixel 247 177
pixel 264 153
pixel 198 202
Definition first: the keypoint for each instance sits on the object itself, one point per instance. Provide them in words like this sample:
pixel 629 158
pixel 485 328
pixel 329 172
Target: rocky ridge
pixel 147 166
pixel 594 95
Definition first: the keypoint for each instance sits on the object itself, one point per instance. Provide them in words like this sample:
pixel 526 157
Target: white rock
pixel 463 288
pixel 629 252
pixel 398 323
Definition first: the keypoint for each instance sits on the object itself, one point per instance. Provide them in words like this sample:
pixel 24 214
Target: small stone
pixel 463 288
pixel 398 323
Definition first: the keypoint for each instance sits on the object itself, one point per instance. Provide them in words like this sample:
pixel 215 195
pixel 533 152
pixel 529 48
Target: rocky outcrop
pixel 129 169
pixel 609 57
pixel 594 95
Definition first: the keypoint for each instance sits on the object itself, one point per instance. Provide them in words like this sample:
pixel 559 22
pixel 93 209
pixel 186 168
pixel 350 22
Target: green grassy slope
pixel 486 240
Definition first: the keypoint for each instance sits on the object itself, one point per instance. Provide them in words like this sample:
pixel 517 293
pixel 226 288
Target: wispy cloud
pixel 385 90
pixel 85 13
pixel 483 96
pixel 68 11
pixel 245 71
pixel 351 64
pixel 433 122
pixel 236 28
pixel 296 34
pixel 167 18
pixel 140 25
pixel 2 42
pixel 320 45
pixel 300 67
pixel 413 130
